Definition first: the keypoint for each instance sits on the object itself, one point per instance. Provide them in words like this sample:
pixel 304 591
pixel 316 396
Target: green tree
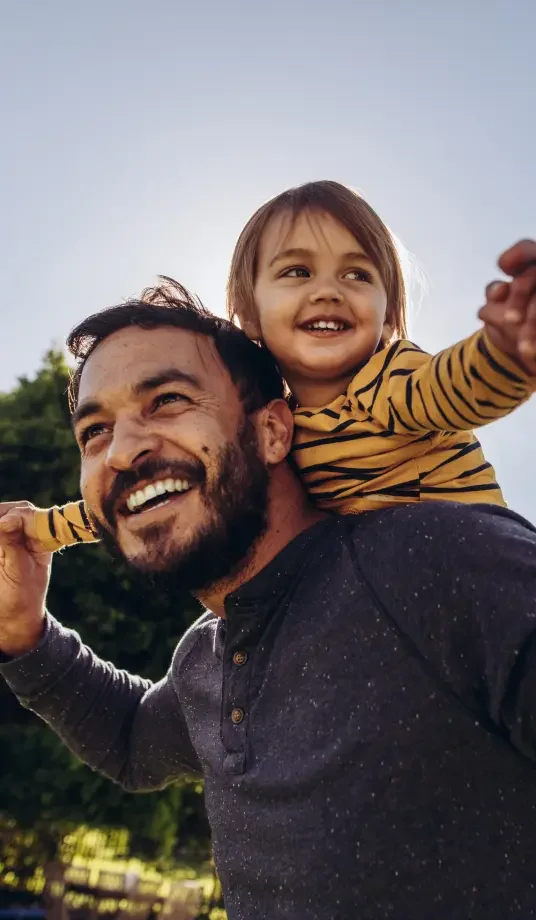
pixel 42 787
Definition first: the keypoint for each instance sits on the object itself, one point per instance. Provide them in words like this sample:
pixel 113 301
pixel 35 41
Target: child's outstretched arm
pixel 476 381
pixel 62 526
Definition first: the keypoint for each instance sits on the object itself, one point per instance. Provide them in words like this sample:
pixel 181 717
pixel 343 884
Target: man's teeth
pixel 159 487
pixel 331 324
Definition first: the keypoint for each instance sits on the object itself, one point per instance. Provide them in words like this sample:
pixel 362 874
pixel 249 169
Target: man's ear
pixel 275 427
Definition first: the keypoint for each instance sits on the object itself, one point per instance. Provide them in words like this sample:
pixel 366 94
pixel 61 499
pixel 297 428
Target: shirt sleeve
pixel 461 388
pixel 460 588
pixel 122 726
pixel 63 526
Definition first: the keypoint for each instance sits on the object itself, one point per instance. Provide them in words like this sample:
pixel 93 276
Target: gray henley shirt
pixel 364 719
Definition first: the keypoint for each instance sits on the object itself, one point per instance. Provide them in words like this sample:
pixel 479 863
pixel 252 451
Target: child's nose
pixel 326 291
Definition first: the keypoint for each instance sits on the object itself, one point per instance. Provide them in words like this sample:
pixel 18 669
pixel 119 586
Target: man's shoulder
pixel 423 519
pixel 427 534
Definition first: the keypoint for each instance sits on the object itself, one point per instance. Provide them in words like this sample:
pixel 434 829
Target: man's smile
pixel 155 493
pixel 155 509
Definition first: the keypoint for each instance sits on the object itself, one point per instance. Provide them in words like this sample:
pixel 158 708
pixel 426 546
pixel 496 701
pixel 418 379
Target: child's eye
pixel 298 271
pixel 359 274
pixel 165 399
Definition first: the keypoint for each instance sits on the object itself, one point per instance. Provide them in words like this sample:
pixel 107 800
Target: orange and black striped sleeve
pixel 63 526
pixel 461 388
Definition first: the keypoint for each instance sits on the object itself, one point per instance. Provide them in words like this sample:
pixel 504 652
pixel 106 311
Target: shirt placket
pixel 242 635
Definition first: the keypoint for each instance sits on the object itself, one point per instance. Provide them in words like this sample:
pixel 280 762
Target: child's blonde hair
pixel 353 212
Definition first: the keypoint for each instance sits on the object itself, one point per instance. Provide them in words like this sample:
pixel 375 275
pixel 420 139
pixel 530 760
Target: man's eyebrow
pixel 83 410
pixel 306 254
pixel 170 375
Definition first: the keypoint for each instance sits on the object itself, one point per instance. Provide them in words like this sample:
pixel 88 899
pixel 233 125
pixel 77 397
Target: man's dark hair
pixel 251 366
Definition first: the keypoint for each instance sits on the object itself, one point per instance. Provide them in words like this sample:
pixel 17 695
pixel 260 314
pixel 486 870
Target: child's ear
pixel 250 325
pixel 387 333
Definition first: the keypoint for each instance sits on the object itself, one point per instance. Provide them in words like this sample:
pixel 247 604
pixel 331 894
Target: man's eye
pixel 165 399
pixel 360 274
pixel 91 432
pixel 298 271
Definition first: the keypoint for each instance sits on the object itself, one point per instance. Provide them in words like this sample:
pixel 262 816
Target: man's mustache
pixel 127 480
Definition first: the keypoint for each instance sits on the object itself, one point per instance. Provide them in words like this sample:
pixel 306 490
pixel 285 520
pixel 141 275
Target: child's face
pixel 321 304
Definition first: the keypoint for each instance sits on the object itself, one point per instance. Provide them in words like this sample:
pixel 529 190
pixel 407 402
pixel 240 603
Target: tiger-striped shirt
pixel 401 433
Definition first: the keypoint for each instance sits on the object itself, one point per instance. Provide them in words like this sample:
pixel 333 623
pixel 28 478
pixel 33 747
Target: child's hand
pixel 510 311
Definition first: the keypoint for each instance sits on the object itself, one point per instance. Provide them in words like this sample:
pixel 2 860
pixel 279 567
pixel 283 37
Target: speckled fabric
pixel 365 720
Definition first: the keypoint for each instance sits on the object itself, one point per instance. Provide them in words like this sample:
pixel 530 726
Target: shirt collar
pixel 271 584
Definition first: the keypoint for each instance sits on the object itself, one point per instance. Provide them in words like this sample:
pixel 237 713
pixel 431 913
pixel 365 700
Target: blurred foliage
pixel 43 789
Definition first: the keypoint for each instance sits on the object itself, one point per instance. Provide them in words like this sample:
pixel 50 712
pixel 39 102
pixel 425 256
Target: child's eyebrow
pixel 291 254
pixel 307 253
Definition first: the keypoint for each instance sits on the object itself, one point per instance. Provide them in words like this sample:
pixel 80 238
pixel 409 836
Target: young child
pixel 316 276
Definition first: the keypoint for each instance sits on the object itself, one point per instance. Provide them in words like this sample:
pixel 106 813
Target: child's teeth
pixel 327 324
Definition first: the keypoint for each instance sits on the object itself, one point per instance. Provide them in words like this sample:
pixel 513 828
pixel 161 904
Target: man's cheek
pixel 93 497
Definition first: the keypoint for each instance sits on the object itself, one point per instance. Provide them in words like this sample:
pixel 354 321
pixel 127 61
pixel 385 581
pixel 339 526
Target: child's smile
pixel 321 304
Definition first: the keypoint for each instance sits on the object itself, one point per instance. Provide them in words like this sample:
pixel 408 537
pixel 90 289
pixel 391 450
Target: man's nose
pixel 132 442
pixel 326 290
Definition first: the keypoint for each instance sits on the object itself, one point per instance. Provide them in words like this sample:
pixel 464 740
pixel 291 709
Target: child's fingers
pixel 522 289
pixel 494 313
pixel 498 291
pixel 527 335
pixel 518 257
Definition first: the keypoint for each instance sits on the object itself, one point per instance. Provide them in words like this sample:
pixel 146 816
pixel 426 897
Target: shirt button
pixel 237 716
pixel 240 658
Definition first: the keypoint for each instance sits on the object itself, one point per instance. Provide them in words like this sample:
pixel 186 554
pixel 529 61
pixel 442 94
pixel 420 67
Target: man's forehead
pixel 132 355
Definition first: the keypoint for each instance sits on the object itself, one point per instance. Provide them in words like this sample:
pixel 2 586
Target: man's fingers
pixel 518 257
pixel 7 507
pixel 14 535
pixel 11 527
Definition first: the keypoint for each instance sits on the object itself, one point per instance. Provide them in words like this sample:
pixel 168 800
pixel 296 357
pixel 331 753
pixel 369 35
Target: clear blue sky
pixel 139 135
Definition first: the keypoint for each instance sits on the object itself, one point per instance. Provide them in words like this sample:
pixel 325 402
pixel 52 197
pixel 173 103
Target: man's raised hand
pixel 24 577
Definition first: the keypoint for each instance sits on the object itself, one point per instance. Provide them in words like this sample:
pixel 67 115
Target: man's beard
pixel 236 510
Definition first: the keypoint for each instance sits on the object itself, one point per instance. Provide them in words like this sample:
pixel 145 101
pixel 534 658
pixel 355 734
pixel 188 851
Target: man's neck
pixel 289 514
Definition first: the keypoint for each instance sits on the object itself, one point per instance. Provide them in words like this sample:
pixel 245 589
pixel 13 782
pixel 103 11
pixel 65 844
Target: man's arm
pixel 125 727
pixel 458 582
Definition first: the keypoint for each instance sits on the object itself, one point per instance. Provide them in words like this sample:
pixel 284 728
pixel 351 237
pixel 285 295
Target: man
pixel 361 697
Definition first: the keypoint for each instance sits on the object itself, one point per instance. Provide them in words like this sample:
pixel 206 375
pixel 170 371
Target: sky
pixel 138 136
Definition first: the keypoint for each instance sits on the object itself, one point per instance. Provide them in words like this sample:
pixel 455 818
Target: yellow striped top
pixel 401 433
